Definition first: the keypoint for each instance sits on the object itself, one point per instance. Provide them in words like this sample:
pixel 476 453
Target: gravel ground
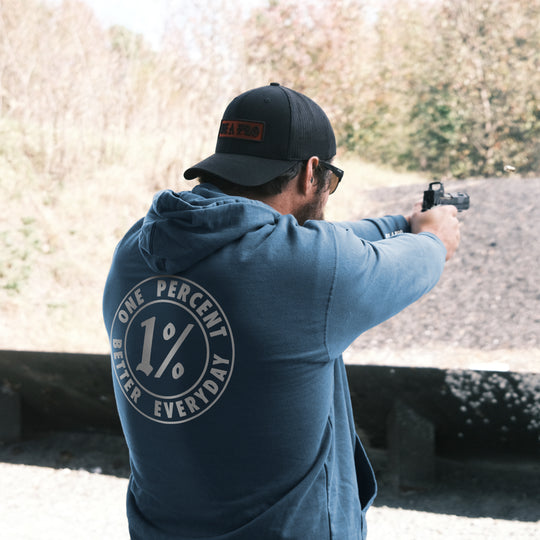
pixel 62 486
pixel 484 313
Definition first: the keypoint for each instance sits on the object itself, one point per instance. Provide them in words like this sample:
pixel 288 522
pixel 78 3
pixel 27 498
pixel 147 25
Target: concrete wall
pixel 480 411
pixel 61 391
pixel 476 411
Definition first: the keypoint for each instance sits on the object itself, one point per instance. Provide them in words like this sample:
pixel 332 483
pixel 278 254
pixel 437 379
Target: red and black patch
pixel 242 129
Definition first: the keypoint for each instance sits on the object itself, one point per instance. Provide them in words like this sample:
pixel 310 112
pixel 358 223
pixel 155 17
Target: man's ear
pixel 306 180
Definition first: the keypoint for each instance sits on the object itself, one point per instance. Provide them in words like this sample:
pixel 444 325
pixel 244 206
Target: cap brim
pixel 240 169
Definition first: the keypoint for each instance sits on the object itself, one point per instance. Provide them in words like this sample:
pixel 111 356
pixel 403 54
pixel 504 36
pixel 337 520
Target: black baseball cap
pixel 263 133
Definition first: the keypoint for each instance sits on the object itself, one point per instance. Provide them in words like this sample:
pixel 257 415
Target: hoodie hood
pixel 181 229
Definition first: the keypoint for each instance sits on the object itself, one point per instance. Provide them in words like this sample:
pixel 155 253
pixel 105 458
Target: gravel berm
pixel 486 307
pixel 72 485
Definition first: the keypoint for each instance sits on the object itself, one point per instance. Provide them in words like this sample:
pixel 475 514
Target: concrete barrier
pixel 469 411
pixel 61 390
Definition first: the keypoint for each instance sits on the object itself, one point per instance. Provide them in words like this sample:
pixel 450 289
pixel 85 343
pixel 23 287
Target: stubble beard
pixel 310 211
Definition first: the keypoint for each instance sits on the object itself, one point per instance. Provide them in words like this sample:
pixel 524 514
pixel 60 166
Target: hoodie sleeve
pixel 375 280
pixel 377 229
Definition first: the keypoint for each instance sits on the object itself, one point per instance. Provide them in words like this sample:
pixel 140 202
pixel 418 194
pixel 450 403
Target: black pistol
pixel 435 195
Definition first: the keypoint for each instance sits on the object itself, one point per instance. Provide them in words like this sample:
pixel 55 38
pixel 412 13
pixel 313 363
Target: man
pixel 228 309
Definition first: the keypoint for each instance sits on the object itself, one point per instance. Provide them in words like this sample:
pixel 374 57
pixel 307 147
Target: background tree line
pixel 445 86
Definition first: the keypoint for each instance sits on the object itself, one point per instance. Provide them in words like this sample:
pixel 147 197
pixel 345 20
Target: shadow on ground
pixel 93 452
pixel 497 489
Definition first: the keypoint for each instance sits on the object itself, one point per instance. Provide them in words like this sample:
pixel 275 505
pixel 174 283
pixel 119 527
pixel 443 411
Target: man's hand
pixel 442 222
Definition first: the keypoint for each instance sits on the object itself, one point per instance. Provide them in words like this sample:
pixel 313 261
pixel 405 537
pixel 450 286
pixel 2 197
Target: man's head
pixel 268 137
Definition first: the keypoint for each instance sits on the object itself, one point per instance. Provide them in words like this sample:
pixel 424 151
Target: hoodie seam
pixel 330 293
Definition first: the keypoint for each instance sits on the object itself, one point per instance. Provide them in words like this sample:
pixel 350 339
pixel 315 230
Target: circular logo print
pixel 172 349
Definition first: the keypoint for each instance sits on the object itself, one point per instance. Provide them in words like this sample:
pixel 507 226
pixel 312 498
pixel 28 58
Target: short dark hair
pixel 273 187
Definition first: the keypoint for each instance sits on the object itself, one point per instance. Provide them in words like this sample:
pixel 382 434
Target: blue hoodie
pixel 227 322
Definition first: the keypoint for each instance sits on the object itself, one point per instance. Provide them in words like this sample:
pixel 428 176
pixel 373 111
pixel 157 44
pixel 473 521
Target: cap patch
pixel 241 129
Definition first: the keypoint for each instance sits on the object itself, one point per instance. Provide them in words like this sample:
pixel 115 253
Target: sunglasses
pixel 337 175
